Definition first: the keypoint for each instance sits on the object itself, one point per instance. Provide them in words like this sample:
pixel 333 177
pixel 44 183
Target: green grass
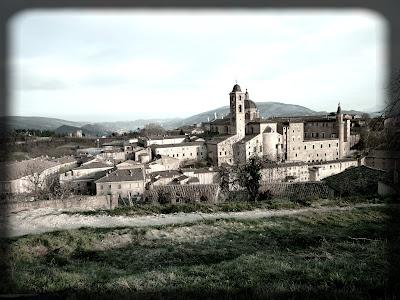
pixel 229 206
pixel 326 255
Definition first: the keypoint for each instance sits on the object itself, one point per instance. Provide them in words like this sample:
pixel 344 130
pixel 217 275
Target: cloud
pixel 182 62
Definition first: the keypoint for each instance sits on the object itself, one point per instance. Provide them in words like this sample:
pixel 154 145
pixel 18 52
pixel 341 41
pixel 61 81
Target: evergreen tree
pixel 249 177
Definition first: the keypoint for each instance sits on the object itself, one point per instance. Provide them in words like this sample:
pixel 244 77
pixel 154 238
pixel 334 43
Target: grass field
pixel 228 206
pixel 338 254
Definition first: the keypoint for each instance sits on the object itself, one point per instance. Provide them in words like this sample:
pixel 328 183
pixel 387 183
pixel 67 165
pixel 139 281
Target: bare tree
pixel 44 184
pixel 35 179
pixel 152 129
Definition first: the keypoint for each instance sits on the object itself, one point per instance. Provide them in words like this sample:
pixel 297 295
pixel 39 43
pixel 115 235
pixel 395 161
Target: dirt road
pixel 44 220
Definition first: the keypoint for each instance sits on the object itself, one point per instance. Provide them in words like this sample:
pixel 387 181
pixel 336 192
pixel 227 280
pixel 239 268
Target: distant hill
pixel 66 129
pixel 95 130
pixel 267 109
pixel 39 123
pixel 87 130
pixel 134 125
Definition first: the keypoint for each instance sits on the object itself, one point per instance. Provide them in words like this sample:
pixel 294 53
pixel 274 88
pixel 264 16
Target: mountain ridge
pixel 266 109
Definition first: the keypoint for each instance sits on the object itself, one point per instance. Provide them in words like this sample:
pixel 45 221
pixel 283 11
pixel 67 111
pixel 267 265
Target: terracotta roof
pixel 199 170
pixel 248 138
pixel 354 181
pixel 15 170
pixel 185 144
pixel 123 175
pixel 94 165
pixel 166 174
pixel 166 137
pixel 218 139
pixel 224 121
pixel 193 180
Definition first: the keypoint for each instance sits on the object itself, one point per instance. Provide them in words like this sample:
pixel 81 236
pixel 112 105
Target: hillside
pixel 39 123
pixel 267 109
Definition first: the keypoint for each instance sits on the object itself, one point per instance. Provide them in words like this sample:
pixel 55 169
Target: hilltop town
pixel 187 162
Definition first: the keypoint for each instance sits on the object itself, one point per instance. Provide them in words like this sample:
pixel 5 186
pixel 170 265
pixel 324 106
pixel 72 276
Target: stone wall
pixel 298 190
pixel 82 202
pixel 182 193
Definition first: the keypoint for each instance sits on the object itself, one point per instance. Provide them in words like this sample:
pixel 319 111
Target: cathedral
pixel 243 133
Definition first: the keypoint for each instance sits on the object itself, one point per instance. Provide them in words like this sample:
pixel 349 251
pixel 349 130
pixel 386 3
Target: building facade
pixel 244 134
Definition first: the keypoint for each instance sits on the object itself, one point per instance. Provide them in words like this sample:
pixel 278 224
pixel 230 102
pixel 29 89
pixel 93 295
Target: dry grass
pixel 326 255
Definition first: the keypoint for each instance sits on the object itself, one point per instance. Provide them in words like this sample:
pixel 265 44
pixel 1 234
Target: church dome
pixel 249 104
pixel 236 88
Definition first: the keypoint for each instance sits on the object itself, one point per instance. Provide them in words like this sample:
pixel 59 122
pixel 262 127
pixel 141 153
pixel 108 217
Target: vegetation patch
pixel 235 205
pixel 310 255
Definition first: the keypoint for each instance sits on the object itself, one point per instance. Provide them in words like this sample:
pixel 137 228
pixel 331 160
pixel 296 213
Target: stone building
pixel 305 171
pixel 24 176
pixel 244 134
pixel 162 140
pixel 82 179
pixel 187 151
pixel 122 183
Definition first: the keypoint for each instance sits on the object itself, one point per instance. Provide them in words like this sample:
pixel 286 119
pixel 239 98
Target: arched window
pixel 240 108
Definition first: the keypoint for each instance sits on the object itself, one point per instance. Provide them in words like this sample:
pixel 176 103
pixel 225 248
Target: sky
pixel 121 65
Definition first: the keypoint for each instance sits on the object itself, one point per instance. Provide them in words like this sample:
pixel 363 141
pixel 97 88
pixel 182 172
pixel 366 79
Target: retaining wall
pixel 298 190
pixel 81 202
pixel 183 193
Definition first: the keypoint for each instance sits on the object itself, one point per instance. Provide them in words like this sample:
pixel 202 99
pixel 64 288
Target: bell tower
pixel 237 108
pixel 340 127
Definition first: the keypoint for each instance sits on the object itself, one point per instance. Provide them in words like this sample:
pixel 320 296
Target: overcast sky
pixel 93 65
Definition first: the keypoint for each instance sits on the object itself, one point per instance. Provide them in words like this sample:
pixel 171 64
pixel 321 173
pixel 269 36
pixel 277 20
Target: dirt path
pixel 44 220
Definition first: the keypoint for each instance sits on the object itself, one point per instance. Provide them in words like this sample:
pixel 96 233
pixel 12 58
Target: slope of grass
pixel 229 206
pixel 326 255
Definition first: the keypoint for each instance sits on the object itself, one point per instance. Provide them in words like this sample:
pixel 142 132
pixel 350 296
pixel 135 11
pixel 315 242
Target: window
pixel 321 145
pixel 191 154
pixel 296 154
pixel 183 154
pixel 201 153
pixel 240 108
pixel 313 146
pixel 220 153
pixel 177 155
pixel 305 147
pixel 329 145
pixel 109 186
